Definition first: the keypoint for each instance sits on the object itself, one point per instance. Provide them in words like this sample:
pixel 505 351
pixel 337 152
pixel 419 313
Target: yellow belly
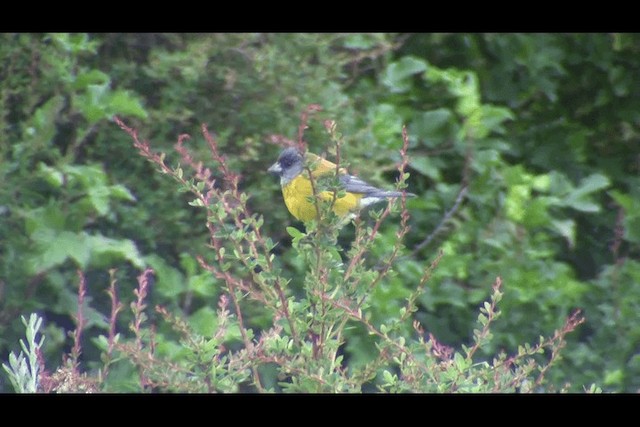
pixel 297 192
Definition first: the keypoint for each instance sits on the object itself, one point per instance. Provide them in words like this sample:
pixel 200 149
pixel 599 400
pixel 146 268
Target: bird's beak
pixel 275 169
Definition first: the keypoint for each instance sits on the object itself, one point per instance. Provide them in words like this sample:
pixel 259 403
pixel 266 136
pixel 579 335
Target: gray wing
pixel 353 184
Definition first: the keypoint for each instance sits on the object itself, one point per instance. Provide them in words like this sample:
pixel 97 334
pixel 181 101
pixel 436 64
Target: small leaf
pixel 542 182
pixel 591 184
pixel 121 192
pixel 121 102
pixel 43 126
pixel 614 377
pixel 578 198
pixel 52 175
pixel 102 248
pixel 493 117
pixel 92 77
pixel 386 125
pixel 55 248
pixel 566 228
pixel 169 280
pixel 203 285
pixel 388 377
pixel 432 126
pixel 295 233
pixel 362 41
pixel 204 321
pixel 397 74
pixel 99 198
pixel 425 166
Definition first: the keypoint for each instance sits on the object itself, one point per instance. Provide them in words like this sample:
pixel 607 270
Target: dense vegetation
pixel 523 150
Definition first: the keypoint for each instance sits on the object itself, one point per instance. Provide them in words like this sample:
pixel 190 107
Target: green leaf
pixel 388 377
pixel 94 103
pixel 464 86
pixel 91 77
pixel 362 41
pixel 42 127
pixel 101 342
pixel 614 377
pixel 123 103
pixel 461 362
pixel 426 166
pixel 517 201
pixel 582 205
pixel 121 192
pixel 189 264
pixel 87 175
pixel 397 75
pixel 99 198
pixel 387 125
pixel 591 184
pixel 621 81
pixel 493 117
pixel 51 175
pixel 542 182
pixel 74 43
pixel 105 251
pixel 566 228
pixel 432 124
pixel 625 200
pixel 41 262
pixel 536 212
pixel 55 248
pixel 204 321
pixel 578 198
pixel 203 285
pixel 295 233
pixel 170 282
pixel 49 217
pixel 631 221
pixel 75 245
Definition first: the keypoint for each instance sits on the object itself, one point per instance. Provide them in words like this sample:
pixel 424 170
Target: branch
pixel 459 198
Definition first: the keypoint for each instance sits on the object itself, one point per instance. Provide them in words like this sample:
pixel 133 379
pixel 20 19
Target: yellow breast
pixel 296 195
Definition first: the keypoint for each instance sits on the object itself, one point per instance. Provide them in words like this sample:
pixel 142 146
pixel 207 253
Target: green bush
pixel 299 347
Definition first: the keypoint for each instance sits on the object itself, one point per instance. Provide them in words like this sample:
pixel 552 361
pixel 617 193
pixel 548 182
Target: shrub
pixel 307 315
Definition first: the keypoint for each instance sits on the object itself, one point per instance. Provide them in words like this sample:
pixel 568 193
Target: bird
pixel 297 189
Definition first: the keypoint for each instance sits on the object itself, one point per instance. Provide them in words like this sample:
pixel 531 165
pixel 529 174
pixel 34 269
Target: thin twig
pixel 116 307
pixel 459 198
pixel 80 322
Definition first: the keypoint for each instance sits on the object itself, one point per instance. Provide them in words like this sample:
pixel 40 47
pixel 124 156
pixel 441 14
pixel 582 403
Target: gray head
pixel 290 164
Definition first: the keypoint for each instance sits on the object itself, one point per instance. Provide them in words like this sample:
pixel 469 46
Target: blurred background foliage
pixel 543 128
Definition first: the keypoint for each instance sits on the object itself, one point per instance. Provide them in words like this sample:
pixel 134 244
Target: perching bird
pixel 296 186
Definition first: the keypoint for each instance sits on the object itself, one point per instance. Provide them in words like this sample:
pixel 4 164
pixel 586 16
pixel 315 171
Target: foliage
pixel 522 149
pixel 24 370
pixel 56 203
pixel 299 350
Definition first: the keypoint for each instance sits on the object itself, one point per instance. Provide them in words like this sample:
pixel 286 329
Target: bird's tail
pixel 393 194
pixel 379 196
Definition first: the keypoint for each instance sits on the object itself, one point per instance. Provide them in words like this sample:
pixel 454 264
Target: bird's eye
pixel 285 162
pixel 288 160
